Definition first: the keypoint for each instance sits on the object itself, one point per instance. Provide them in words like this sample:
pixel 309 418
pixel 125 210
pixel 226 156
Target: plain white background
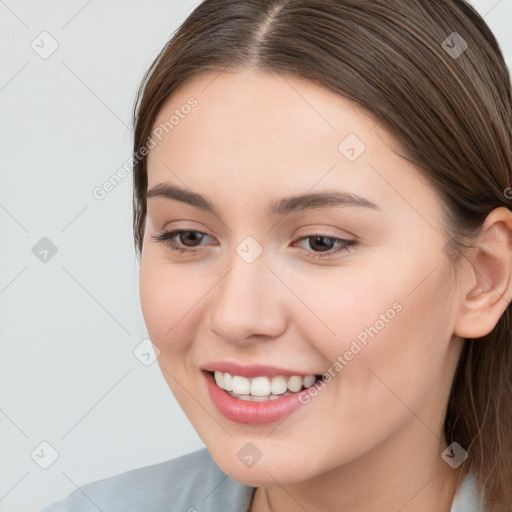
pixel 70 311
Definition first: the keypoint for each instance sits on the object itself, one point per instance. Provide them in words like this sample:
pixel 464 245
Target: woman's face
pixel 282 290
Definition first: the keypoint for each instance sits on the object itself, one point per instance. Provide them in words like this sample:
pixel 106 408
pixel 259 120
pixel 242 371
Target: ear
pixel 486 288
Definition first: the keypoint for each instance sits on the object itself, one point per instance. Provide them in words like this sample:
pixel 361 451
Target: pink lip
pixel 250 371
pixel 251 413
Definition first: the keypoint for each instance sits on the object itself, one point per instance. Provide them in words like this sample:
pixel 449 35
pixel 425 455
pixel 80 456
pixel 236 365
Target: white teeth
pixel 228 382
pixel 219 379
pixel 260 389
pixel 250 398
pixel 294 383
pixel 260 386
pixel 278 385
pixel 241 385
pixel 308 381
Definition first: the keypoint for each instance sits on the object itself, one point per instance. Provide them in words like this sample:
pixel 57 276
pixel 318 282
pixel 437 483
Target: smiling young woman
pixel 325 238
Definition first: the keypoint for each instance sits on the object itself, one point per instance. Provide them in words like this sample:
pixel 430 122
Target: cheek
pixel 386 359
pixel 338 306
pixel 169 298
pixel 388 322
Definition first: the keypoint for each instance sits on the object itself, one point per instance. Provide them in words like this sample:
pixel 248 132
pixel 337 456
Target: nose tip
pixel 246 304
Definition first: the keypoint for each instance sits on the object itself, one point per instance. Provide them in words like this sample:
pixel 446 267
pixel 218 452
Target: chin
pixel 264 476
pixel 282 468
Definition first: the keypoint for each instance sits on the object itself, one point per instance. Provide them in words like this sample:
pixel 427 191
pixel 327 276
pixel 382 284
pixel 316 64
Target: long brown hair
pixel 434 75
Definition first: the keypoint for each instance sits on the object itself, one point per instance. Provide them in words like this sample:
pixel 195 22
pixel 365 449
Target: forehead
pixel 254 131
pixel 238 117
pixel 243 103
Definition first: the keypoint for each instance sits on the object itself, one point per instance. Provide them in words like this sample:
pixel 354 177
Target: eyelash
pixel 166 239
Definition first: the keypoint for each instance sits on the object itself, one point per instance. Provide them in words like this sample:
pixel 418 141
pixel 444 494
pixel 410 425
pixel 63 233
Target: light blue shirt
pixel 190 483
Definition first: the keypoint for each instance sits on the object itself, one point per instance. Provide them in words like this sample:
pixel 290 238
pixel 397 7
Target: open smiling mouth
pixel 260 400
pixel 262 389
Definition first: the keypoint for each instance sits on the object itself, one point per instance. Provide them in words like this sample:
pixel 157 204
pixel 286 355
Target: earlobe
pixel 486 288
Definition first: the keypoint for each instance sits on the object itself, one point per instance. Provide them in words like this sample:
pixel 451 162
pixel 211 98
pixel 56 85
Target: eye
pixel 325 243
pixel 185 237
pixel 188 238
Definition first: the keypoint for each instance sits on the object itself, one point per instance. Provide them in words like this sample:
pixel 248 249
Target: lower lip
pixel 251 413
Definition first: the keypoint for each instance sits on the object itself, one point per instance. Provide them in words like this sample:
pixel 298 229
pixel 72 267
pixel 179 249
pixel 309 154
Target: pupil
pixel 321 239
pixel 189 236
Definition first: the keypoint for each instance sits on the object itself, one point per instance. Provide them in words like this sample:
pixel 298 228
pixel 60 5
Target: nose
pixel 247 304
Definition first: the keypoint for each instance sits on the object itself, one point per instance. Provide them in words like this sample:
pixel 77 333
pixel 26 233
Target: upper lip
pixel 251 371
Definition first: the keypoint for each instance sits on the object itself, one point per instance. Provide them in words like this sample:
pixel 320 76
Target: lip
pixel 251 413
pixel 251 371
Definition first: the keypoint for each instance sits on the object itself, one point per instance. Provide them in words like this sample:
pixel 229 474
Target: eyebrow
pixel 280 207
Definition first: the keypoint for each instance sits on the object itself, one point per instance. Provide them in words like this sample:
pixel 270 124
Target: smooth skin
pixel 372 438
